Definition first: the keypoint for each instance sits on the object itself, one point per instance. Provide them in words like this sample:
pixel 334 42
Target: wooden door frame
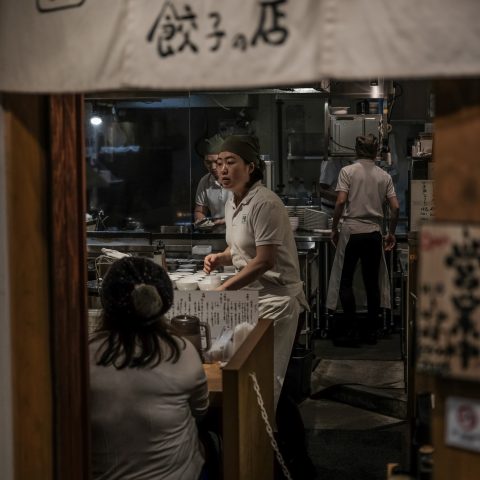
pixel 69 327
pixel 46 278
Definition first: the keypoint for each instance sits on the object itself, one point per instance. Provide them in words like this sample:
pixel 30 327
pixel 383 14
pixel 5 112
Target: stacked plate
pixel 297 212
pixel 315 219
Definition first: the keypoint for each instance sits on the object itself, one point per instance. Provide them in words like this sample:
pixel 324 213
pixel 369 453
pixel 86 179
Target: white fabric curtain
pixel 91 45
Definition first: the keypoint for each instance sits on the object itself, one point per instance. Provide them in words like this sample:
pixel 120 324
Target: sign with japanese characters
pixel 219 309
pixel 84 45
pixel 448 306
pixel 93 45
pixel 422 207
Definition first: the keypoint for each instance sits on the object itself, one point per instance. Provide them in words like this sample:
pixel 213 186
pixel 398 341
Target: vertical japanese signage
pixel 448 326
pixel 422 207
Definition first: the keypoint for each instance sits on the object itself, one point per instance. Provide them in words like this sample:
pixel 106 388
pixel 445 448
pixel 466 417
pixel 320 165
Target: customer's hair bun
pixel 146 300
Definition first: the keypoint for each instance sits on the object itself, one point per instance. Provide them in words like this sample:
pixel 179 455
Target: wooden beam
pixel 456 147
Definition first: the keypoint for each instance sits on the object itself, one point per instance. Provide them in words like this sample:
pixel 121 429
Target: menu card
pixel 218 309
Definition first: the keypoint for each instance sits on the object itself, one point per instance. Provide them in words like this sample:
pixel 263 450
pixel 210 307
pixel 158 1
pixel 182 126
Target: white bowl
pixel 206 285
pixel 210 282
pixel 186 284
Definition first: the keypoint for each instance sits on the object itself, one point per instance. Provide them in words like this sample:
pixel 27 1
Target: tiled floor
pixel 355 417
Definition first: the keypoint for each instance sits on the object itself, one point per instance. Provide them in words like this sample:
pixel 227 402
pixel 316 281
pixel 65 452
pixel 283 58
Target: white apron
pixel 284 310
pixel 336 273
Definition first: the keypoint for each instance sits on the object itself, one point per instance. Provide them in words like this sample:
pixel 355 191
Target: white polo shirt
pixel 262 219
pixel 367 187
pixel 212 195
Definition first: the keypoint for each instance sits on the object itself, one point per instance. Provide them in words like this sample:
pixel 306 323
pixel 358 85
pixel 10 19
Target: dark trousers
pixel 366 247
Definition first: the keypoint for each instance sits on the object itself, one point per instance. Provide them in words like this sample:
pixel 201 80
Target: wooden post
pixel 457 199
pixel 26 121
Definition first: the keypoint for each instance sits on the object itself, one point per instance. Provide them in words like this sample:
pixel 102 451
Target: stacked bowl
pixel 294 222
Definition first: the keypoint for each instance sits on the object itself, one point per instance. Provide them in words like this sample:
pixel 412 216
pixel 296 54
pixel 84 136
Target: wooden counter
pixel 215 383
pixel 247 453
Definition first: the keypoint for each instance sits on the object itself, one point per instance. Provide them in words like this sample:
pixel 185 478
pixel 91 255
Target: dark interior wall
pixel 144 162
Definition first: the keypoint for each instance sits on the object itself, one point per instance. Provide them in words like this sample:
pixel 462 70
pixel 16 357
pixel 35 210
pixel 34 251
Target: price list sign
pixel 218 309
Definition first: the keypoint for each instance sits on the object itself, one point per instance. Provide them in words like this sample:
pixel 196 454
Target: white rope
pixel 268 428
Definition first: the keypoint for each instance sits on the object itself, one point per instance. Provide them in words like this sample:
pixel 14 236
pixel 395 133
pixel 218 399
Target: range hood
pixel 373 88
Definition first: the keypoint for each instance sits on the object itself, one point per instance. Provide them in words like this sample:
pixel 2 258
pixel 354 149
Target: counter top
pixel 149 236
pixel 215 383
pixel 306 236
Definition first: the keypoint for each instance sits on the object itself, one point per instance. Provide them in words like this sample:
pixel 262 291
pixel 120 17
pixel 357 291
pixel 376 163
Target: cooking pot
pixel 190 327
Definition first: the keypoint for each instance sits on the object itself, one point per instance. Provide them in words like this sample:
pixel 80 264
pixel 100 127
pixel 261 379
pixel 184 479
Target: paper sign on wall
pixel 422 207
pixel 463 423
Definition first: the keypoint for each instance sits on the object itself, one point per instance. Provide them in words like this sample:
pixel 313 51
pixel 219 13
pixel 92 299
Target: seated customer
pixel 147 385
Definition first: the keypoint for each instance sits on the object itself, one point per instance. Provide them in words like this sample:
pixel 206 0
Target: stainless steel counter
pixel 315 253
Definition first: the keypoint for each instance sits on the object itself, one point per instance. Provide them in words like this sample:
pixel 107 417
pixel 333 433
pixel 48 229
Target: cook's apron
pixel 284 310
pixel 336 273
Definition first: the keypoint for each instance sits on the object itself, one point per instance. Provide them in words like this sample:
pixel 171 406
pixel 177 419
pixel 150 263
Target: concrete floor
pixel 355 417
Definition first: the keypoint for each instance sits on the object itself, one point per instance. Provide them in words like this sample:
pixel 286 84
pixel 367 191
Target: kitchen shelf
pixel 304 157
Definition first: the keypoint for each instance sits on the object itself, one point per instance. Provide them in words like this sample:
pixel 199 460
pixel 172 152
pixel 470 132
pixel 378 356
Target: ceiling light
pixel 95 120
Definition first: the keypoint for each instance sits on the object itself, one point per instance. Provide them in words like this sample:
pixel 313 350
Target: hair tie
pixel 146 300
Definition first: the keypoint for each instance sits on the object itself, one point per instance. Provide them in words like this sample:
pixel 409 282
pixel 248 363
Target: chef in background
pixel 329 172
pixel 211 196
pixel 362 189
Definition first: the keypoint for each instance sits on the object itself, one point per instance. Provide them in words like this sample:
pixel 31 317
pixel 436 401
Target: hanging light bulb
pixel 95 120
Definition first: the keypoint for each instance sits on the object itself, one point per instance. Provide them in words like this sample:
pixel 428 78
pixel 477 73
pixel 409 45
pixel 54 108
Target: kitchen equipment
pixel 205 225
pixel 269 171
pixel 189 327
pixel 344 129
pixel 338 110
pixel 175 229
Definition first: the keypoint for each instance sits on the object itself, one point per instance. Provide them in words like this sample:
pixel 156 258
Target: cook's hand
pixel 334 237
pixel 210 262
pixel 389 242
pixel 219 221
